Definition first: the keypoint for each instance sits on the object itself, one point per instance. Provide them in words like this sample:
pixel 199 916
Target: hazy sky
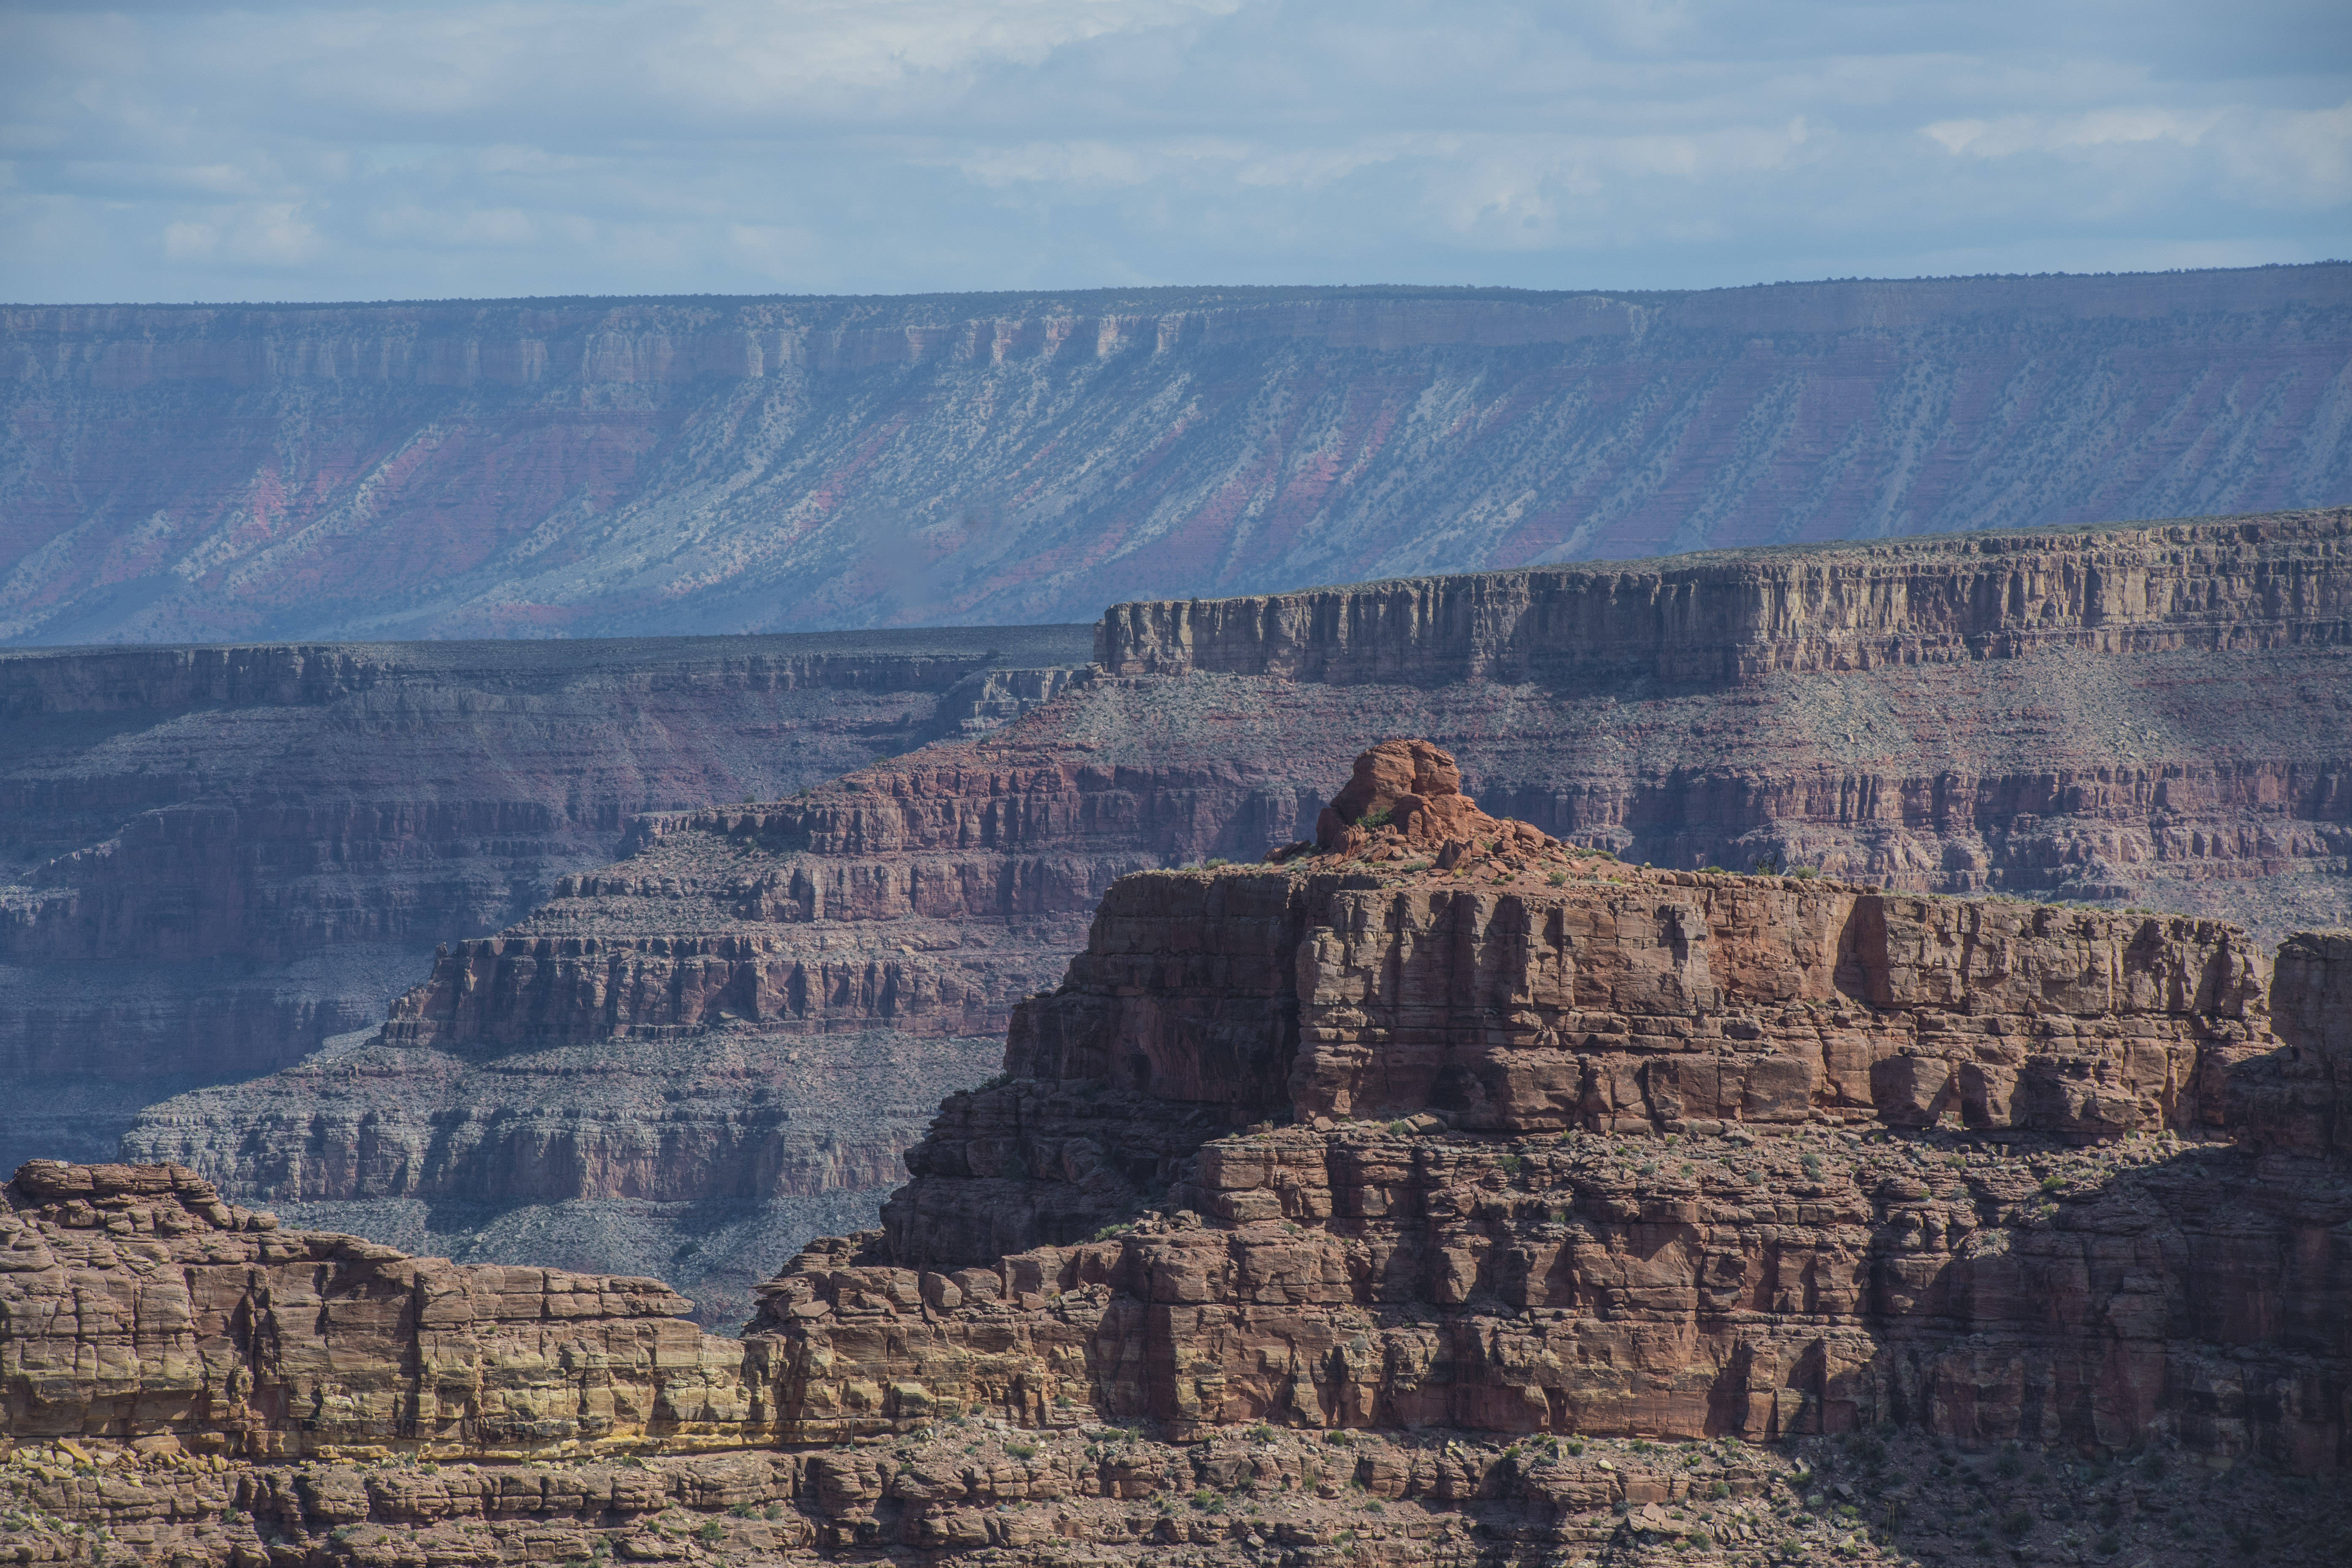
pixel 181 151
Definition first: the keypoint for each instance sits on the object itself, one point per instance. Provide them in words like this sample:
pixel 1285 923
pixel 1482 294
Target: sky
pixel 181 151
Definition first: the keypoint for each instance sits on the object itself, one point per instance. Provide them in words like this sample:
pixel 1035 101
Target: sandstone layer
pixel 586 467
pixel 1444 1205
pixel 1907 1227
pixel 2200 764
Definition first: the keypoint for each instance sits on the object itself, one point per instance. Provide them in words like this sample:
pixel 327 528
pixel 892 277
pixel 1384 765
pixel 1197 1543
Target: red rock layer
pixel 1547 1144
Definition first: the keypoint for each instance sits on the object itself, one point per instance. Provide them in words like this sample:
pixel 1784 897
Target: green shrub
pixel 1398 1128
pixel 1511 1163
pixel 1022 1450
pixel 1372 819
pixel 711 1532
pixel 2016 1523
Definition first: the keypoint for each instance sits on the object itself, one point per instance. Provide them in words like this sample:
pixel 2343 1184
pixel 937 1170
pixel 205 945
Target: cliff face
pixel 2239 583
pixel 211 860
pixel 1544 1144
pixel 592 467
pixel 1455 1180
pixel 211 1322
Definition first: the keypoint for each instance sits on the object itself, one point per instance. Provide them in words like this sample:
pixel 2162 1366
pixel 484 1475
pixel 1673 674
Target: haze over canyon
pixel 624 467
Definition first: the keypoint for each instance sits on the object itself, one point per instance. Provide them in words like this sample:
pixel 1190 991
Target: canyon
pixel 211 861
pixel 688 1063
pixel 610 468
pixel 1447 1193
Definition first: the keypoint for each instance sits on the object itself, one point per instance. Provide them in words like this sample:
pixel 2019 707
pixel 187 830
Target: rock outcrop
pixel 916 901
pixel 138 1305
pixel 1334 1184
pixel 617 467
pixel 1547 1144
pixel 2281 581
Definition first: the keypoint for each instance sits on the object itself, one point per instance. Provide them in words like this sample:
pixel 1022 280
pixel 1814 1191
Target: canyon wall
pixel 1544 1144
pixel 586 467
pixel 716 1047
pixel 2250 582
pixel 1455 1171
pixel 214 859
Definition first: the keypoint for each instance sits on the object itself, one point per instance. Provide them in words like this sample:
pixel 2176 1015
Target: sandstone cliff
pixel 1349 1182
pixel 523 1094
pixel 588 467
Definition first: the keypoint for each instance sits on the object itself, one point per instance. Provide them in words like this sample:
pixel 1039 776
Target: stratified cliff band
pixel 719 1046
pixel 1511 1159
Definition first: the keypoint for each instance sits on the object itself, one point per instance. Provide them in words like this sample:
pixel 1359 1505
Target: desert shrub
pixel 2016 1524
pixel 711 1532
pixel 1379 818
pixel 1398 1128
pixel 1022 1450
pixel 1511 1163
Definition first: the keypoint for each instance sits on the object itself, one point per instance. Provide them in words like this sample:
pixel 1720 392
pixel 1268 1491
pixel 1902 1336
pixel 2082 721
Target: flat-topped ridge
pixel 2278 580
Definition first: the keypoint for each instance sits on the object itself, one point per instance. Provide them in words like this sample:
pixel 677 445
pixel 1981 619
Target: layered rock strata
pixel 1347 1181
pixel 1543 1144
pixel 138 1305
pixel 923 898
pixel 586 467
pixel 2278 581
pixel 212 860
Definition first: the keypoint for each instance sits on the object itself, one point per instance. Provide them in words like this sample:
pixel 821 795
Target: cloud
pixel 291 148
